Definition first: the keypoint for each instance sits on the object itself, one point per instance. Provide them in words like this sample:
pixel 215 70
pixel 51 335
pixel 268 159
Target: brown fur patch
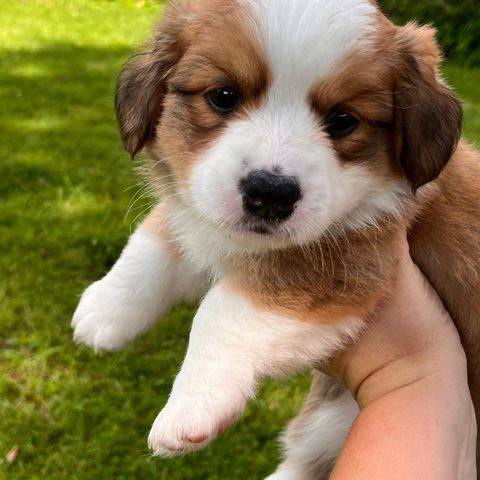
pixel 363 86
pixel 224 51
pixel 406 114
pixel 196 47
pixel 336 277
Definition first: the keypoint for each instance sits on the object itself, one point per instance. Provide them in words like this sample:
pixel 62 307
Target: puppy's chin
pixel 245 235
pixel 259 239
pixel 255 236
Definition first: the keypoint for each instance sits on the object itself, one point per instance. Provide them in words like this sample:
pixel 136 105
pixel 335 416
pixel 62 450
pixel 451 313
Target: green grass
pixel 65 186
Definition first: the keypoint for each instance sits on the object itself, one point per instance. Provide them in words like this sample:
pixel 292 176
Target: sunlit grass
pixel 467 84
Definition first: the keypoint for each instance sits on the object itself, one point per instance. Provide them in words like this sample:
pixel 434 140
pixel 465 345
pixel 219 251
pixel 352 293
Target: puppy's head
pixel 277 120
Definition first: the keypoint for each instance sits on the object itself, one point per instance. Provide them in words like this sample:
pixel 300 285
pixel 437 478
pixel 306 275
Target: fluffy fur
pixel 313 440
pixel 145 282
pixel 286 295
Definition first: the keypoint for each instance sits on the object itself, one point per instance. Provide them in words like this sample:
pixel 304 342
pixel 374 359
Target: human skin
pixel 409 376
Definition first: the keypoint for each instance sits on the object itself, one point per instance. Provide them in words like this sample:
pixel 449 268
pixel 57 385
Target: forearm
pixel 425 429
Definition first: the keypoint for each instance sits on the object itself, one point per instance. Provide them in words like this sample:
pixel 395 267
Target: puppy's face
pixel 278 120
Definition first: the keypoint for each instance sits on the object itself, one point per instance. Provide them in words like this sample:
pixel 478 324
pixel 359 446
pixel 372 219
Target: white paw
pixel 191 422
pixel 107 318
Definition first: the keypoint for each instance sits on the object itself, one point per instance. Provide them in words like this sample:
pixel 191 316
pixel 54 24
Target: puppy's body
pixel 293 142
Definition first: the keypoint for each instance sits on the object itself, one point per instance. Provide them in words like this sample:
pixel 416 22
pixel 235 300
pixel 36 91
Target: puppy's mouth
pixel 259 227
pixel 261 230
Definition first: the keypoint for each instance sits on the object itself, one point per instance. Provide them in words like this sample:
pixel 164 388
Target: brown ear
pixel 428 116
pixel 142 85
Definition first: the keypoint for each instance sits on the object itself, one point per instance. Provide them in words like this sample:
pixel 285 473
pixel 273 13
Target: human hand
pixel 409 376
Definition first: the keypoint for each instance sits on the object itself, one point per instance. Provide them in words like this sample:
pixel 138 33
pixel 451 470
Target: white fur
pixel 318 441
pixel 208 246
pixel 305 41
pixel 145 282
pixel 232 347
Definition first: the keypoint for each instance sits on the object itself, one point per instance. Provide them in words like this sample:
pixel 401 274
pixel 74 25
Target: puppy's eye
pixel 340 124
pixel 224 99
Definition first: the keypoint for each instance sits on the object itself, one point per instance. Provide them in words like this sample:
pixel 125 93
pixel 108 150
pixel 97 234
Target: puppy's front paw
pixel 106 318
pixel 189 423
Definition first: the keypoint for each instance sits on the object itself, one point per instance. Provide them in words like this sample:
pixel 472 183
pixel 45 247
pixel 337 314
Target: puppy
pixel 290 142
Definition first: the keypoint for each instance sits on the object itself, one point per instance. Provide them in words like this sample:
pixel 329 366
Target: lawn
pixel 66 186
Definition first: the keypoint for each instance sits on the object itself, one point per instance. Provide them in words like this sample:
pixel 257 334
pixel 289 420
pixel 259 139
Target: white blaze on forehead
pixel 305 40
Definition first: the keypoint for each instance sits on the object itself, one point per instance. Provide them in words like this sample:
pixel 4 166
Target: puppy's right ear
pixel 142 84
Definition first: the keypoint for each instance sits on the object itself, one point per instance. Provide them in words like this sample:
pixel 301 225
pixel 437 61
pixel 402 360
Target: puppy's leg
pixel 313 440
pixel 232 346
pixel 147 280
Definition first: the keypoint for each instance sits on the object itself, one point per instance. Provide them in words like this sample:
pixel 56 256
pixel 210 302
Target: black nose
pixel 270 196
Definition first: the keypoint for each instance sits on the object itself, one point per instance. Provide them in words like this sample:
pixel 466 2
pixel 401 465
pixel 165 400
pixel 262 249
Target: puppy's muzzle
pixel 269 196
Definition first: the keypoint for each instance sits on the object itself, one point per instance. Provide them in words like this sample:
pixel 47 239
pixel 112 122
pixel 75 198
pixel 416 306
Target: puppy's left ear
pixel 428 115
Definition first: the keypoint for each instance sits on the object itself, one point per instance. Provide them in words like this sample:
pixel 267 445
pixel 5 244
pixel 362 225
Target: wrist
pixel 442 370
pixel 405 342
pixel 425 428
